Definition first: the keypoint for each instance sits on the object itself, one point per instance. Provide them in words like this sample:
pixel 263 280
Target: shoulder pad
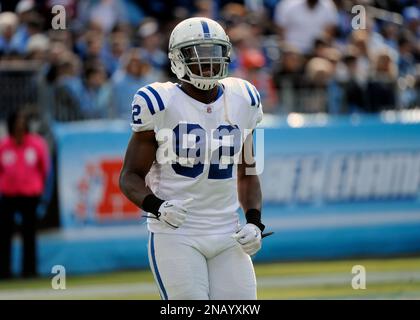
pixel 148 103
pixel 244 89
pixel 156 95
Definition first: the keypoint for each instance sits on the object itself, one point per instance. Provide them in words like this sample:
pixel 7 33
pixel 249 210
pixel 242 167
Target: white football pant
pixel 201 267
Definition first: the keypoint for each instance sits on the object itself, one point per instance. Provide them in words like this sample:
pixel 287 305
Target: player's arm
pixel 250 198
pixel 139 157
pixel 249 188
pixel 147 106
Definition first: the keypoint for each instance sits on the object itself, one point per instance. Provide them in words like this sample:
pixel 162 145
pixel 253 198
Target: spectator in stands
pixel 233 14
pixel 359 41
pixel 150 43
pixel 389 32
pixel 382 83
pixel 104 30
pixel 37 48
pixel 412 20
pixel 96 97
pixel 290 65
pixel 252 62
pixel 24 166
pixel 9 23
pixel 416 90
pixel 407 60
pixel 33 25
pixel 318 74
pixel 302 21
pixel 25 11
pixel 241 38
pixel 334 89
pixel 204 8
pixel 373 40
pixel 118 44
pixel 288 77
pixel 104 13
pixel 354 97
pixel 319 46
pixel 135 73
pixel 91 47
pixel 345 16
pixel 67 86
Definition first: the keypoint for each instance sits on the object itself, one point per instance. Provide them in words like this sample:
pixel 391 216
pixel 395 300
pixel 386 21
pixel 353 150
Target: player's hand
pixel 174 212
pixel 249 237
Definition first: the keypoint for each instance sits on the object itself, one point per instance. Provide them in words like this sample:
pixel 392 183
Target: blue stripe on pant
pixel 155 268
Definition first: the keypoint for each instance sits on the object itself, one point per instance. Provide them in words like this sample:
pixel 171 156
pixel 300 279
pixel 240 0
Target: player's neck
pixel 204 96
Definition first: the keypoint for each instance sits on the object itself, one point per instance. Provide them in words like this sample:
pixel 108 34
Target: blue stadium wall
pixel 333 188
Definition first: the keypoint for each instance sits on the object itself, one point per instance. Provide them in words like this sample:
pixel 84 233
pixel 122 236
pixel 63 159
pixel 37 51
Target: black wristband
pixel 151 204
pixel 254 216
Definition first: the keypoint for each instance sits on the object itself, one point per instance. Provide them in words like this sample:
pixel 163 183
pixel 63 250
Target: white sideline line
pixel 150 288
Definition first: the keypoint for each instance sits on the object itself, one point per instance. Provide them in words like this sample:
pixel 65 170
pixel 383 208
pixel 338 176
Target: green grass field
pixel 385 279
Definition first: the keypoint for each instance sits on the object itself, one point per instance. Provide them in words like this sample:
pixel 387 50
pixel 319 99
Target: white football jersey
pixel 198 144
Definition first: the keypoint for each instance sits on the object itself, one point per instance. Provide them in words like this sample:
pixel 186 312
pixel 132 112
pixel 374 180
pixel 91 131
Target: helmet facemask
pixel 205 63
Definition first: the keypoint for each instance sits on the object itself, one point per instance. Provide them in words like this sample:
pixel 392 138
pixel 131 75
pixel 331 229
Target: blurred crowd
pixel 302 55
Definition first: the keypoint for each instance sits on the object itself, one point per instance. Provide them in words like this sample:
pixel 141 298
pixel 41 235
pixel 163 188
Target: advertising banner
pixel 332 188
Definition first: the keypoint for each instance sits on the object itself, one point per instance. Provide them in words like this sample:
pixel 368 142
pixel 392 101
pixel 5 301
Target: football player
pixel 186 165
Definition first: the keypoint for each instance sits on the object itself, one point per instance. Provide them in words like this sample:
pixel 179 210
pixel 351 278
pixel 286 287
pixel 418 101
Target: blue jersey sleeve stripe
pixel 258 96
pixel 148 101
pixel 157 96
pixel 250 94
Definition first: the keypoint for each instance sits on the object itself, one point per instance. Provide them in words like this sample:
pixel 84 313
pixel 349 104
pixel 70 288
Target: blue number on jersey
pixel 135 113
pixel 216 172
pixel 195 154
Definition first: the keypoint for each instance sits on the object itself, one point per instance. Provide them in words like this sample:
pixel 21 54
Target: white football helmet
pixel 199 51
